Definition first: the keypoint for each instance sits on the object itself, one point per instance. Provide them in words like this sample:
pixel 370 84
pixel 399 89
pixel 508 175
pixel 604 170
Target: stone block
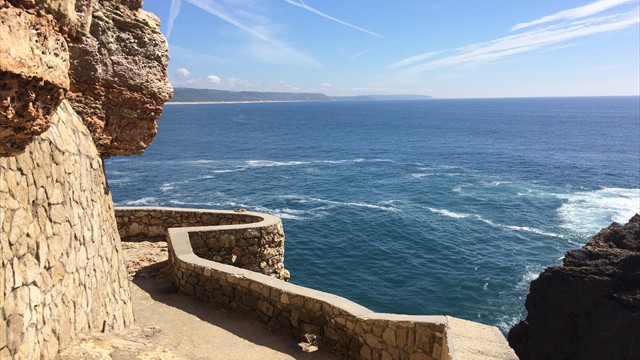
pixel 365 352
pixel 373 341
pixel 389 336
pixel 419 356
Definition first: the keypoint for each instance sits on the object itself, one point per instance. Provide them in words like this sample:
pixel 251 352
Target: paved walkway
pixel 172 326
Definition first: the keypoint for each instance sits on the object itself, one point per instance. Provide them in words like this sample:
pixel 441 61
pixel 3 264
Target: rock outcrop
pixel 119 78
pixel 589 308
pixel 61 265
pixel 107 57
pixel 34 78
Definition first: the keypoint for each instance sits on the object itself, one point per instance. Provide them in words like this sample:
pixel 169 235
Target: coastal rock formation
pixel 589 308
pixel 62 270
pixel 61 264
pixel 33 75
pixel 109 54
pixel 119 77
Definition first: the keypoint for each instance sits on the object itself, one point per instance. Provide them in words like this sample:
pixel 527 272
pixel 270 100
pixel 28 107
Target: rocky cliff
pixel 79 80
pixel 589 308
pixel 108 58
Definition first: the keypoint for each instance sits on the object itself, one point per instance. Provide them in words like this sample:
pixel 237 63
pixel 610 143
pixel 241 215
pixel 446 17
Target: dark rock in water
pixel 589 308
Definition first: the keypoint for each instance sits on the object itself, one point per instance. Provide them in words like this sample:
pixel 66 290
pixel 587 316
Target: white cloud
pixel 238 83
pixel 215 80
pixel 575 13
pixel 531 40
pixel 302 5
pixel 183 72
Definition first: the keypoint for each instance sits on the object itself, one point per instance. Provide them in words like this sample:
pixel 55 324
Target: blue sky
pixel 442 48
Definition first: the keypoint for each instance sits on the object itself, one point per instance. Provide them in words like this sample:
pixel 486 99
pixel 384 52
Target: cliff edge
pixel 589 308
pixel 80 80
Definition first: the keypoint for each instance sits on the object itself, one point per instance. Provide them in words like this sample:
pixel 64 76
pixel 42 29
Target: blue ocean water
pixel 417 207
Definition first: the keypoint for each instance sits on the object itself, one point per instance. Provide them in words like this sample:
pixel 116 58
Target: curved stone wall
pixel 349 329
pixel 61 265
pixel 221 236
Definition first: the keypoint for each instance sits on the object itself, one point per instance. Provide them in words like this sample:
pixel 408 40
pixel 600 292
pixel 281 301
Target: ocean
pixel 418 207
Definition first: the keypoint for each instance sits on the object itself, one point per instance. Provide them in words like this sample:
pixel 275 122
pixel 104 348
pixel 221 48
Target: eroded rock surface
pixel 589 308
pixel 107 57
pixel 119 81
pixel 34 64
pixel 61 266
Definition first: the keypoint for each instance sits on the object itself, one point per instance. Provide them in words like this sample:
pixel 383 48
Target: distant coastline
pixel 189 96
pixel 229 102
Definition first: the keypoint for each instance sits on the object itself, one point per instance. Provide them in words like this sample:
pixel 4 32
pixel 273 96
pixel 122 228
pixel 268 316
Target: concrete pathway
pixel 171 326
pixel 174 326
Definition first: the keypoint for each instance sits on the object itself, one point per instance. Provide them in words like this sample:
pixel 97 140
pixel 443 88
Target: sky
pixel 441 48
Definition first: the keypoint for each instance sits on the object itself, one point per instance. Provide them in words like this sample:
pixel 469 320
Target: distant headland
pixel 191 96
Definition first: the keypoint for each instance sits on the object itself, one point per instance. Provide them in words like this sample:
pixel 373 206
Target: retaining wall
pixel 349 329
pixel 220 236
pixel 61 266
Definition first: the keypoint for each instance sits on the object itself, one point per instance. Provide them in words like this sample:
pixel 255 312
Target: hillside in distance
pixel 190 95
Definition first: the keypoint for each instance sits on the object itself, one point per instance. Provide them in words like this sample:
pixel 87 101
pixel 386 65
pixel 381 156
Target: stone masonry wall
pixel 61 270
pixel 346 327
pixel 259 248
pixel 349 329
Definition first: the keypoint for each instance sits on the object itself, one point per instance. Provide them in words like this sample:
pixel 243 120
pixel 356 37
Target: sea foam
pixel 586 212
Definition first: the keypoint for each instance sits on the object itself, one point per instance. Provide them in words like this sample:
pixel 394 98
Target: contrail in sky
pixel 301 4
pixel 173 14
pixel 211 8
pixel 530 40
pixel 575 13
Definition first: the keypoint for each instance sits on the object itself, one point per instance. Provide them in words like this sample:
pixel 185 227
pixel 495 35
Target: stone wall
pixel 62 271
pixel 346 327
pixel 221 236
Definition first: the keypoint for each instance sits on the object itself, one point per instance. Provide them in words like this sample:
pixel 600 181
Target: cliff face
pixel 62 271
pixel 589 308
pixel 33 75
pixel 62 267
pixel 107 57
pixel 118 77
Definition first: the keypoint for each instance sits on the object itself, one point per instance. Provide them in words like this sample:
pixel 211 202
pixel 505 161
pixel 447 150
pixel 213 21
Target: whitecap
pixel 224 171
pixel 527 278
pixel 356 204
pixel 420 175
pixel 207 203
pixel 198 162
pixel 304 199
pixel 458 189
pixel 519 228
pixel 141 202
pixel 450 214
pixel 334 161
pixel 586 212
pixel 268 163
pixel 532 230
pixel 167 187
pixel 496 183
pixel 284 213
pixel 120 181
